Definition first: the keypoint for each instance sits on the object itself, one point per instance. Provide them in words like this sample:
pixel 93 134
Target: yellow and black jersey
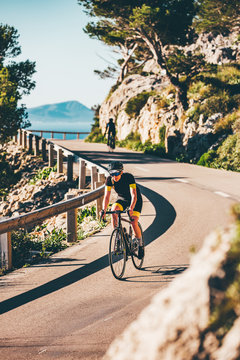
pixel 122 187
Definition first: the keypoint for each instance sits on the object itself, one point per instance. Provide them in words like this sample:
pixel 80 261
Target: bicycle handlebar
pixel 115 212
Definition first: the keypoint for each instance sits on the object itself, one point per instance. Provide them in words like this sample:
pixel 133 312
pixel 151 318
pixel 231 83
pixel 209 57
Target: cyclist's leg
pixel 136 228
pixel 135 216
pixel 118 205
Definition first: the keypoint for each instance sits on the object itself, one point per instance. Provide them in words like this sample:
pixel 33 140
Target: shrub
pixel 229 153
pixel 135 104
pixel 226 123
pixel 43 174
pixel 29 247
pixel 207 158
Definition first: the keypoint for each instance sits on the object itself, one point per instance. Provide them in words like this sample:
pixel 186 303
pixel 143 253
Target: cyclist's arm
pixel 106 198
pixel 133 192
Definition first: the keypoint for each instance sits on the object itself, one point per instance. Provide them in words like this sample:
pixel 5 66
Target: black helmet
pixel 115 166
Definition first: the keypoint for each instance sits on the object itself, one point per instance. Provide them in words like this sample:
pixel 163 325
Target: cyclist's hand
pixel 102 216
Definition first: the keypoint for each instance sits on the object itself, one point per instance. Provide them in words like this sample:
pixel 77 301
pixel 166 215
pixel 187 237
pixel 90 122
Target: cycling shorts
pixel 123 204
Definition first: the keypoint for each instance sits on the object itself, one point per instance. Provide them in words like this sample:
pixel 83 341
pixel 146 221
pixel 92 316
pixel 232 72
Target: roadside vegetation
pixel 38 244
pixel 199 89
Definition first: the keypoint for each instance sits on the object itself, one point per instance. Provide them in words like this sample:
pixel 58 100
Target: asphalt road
pixel 72 307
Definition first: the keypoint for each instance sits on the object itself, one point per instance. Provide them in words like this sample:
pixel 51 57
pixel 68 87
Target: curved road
pixel 72 307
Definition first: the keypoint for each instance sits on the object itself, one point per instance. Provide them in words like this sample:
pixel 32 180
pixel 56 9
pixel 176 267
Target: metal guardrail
pixel 52 132
pixel 38 216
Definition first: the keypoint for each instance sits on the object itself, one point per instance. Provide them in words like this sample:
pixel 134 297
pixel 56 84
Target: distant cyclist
pixel 111 132
pixel 128 196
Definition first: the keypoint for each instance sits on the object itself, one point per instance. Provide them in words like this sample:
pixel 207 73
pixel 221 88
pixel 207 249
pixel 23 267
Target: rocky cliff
pixel 161 109
pixel 197 316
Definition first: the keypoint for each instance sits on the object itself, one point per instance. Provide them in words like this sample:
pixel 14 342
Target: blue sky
pixel 51 34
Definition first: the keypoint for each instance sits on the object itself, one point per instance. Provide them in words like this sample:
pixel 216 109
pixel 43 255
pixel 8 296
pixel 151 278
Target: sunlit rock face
pixel 151 117
pixel 175 326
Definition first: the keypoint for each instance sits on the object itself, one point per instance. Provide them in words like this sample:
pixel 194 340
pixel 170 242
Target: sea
pixel 63 127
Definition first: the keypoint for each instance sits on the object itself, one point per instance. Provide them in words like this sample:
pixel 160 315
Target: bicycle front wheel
pixel 117 254
pixel 136 261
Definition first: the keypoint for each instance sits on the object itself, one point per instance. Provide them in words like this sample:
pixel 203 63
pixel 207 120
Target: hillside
pixel 148 114
pixel 69 115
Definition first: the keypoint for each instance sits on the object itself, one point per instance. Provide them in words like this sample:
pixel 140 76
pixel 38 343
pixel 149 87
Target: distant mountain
pixel 68 116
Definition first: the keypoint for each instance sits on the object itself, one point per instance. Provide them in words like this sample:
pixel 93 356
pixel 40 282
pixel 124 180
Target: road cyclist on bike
pixel 111 132
pixel 129 196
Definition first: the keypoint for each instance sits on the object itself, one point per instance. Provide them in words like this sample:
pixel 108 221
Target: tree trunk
pixel 155 46
pixel 126 57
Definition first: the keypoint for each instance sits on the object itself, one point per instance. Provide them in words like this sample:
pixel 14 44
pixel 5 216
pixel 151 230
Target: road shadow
pixel 103 158
pixel 165 216
pixel 161 274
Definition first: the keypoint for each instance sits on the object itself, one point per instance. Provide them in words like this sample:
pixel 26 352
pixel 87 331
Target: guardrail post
pixel 82 174
pixel 30 143
pixel 6 250
pixel 71 222
pixel 69 168
pixel 36 145
pixel 99 200
pixel 44 150
pixel 101 178
pixel 94 176
pixel 20 137
pixel 60 161
pixel 50 155
pixel 24 139
pixel 15 138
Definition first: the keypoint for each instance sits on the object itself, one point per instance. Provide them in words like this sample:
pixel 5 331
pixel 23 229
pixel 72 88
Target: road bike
pixel 111 142
pixel 122 244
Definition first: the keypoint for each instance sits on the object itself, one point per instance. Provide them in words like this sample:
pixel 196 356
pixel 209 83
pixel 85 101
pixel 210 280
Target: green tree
pixel 217 16
pixel 153 25
pixel 15 81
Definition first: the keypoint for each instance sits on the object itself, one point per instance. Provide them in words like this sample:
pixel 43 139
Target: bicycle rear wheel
pixel 117 254
pixel 136 261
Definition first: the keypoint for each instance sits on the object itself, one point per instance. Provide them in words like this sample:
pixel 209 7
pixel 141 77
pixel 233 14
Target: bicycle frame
pixel 120 227
pixel 129 246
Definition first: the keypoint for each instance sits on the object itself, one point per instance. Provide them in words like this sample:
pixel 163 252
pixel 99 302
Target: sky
pixel 51 34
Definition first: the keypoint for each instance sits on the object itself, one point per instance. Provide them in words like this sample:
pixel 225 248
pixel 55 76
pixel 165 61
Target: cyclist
pixel 128 196
pixel 111 131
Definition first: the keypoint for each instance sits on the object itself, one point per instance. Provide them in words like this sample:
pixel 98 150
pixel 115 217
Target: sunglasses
pixel 115 173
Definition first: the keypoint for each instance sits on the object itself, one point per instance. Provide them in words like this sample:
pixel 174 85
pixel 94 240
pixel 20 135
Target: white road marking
pixel 221 194
pixel 109 318
pixel 182 180
pixel 40 352
pixel 142 169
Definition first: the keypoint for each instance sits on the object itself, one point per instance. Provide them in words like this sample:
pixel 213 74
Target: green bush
pixel 227 156
pixel 135 104
pixel 96 136
pixel 229 153
pixel 207 158
pixel 29 248
pixel 43 174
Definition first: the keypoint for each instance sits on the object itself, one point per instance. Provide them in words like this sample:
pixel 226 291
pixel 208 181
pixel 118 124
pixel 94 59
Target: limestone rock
pixel 175 324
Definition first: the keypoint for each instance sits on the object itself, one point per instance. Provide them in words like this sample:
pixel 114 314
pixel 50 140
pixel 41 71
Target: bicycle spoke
pixel 117 254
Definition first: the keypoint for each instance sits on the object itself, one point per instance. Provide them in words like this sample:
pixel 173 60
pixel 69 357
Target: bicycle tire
pixel 136 261
pixel 117 254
